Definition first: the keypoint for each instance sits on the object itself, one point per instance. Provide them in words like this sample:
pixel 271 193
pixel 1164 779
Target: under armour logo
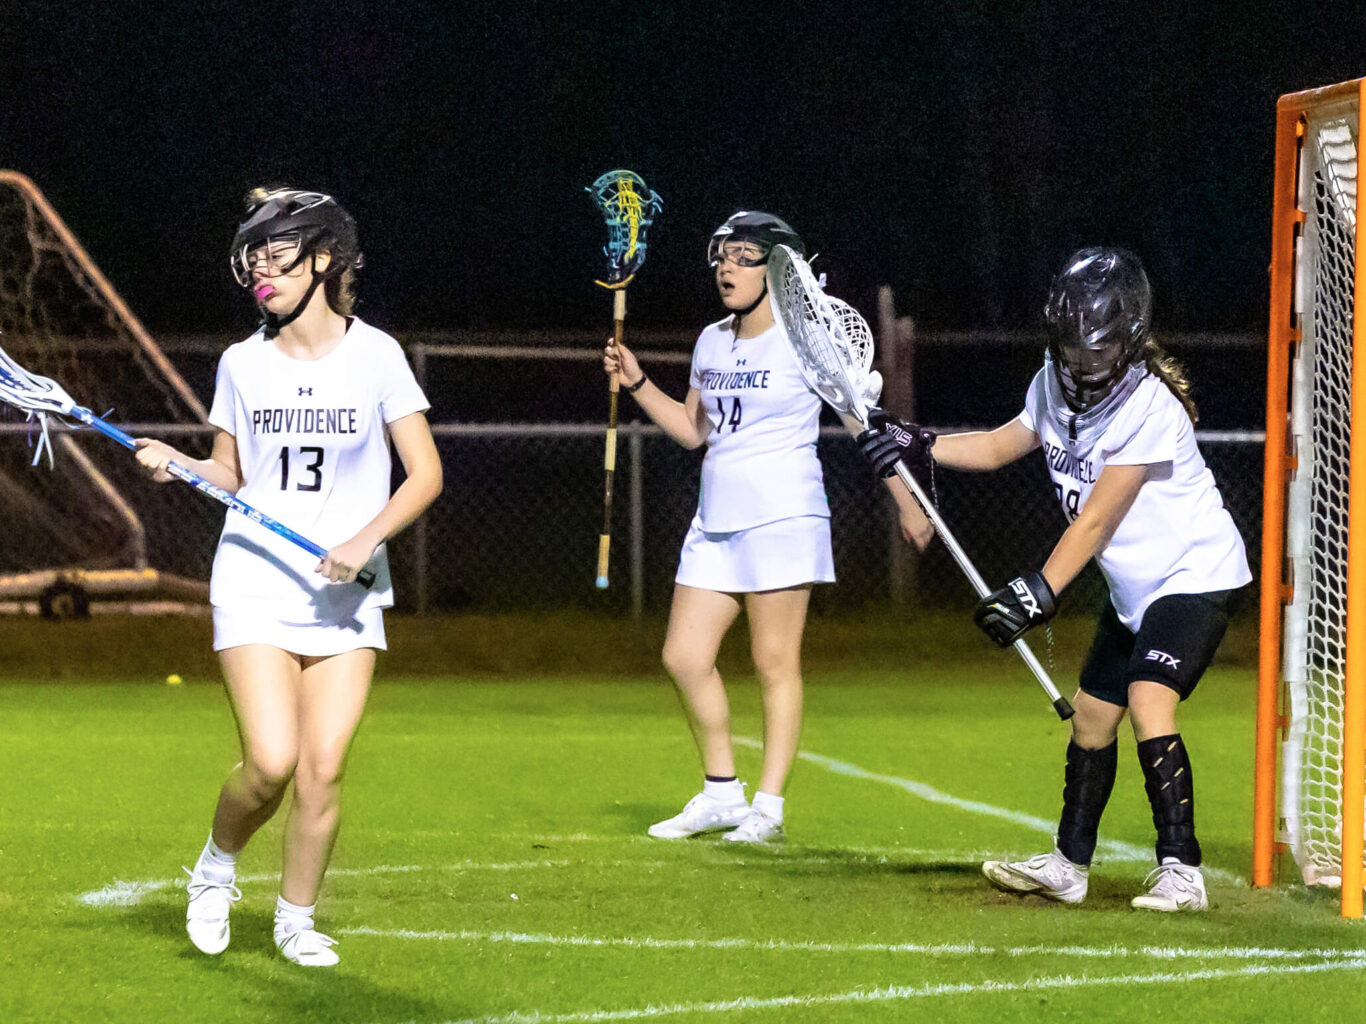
pixel 306 391
pixel 741 362
pixel 1026 596
pixel 1164 659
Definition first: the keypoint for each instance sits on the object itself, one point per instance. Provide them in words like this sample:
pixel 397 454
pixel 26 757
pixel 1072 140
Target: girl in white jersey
pixel 305 410
pixel 1114 418
pixel 761 532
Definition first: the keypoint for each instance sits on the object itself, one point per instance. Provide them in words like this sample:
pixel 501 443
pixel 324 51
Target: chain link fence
pixel 517 526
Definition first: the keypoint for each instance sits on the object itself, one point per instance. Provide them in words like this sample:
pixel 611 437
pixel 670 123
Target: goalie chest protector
pixel 1177 537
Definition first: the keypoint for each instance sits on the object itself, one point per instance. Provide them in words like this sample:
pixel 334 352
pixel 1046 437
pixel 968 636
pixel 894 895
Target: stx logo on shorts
pixel 1027 599
pixel 1163 658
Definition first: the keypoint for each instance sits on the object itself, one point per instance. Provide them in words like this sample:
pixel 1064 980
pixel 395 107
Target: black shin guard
pixel 1089 778
pixel 1167 778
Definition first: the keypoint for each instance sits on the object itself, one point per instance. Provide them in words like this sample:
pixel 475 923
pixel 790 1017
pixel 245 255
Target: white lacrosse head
pixel 39 397
pixel 832 342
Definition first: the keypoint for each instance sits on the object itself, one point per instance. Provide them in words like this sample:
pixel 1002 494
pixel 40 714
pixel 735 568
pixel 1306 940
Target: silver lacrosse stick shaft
pixel 1060 703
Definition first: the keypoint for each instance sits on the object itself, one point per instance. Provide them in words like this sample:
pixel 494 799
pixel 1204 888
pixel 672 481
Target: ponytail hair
pixel 1165 368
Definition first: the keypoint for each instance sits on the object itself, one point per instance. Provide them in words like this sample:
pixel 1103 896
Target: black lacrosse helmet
pixel 754 226
pixel 1100 309
pixel 311 220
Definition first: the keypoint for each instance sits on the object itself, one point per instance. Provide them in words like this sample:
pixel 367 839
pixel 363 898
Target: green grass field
pixel 492 864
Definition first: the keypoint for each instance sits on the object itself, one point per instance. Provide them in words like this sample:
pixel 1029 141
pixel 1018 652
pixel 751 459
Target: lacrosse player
pixel 1113 415
pixel 761 535
pixel 305 410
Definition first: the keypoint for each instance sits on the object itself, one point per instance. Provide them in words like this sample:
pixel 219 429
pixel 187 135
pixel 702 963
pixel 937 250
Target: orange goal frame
pixel 1277 586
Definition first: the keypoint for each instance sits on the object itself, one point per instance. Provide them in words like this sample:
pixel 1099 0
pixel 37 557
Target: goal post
pixel 61 318
pixel 1310 777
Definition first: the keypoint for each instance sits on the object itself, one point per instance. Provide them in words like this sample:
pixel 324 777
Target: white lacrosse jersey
pixel 313 447
pixel 1177 537
pixel 761 463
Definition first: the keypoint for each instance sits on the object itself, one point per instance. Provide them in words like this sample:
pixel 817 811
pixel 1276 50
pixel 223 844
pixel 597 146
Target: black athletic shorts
pixel 1174 645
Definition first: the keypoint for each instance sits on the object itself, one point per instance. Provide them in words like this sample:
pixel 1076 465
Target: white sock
pixel 732 792
pixel 769 805
pixel 293 918
pixel 216 864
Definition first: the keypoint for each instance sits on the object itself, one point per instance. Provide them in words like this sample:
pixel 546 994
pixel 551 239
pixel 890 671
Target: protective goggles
pixel 743 252
pixel 276 255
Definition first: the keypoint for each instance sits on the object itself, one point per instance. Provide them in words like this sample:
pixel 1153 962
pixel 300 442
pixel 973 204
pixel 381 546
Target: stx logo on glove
pixel 1026 596
pixel 1163 658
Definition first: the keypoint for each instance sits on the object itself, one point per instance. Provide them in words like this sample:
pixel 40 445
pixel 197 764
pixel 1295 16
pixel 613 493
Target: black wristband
pixel 631 389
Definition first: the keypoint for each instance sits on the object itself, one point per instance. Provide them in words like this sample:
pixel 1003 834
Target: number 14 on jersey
pixel 733 421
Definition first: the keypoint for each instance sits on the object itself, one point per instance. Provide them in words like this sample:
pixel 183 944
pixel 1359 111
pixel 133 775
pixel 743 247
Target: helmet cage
pixel 1098 315
pixel 286 219
pixel 763 229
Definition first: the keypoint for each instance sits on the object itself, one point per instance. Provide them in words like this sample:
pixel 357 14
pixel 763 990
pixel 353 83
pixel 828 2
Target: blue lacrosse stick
pixel 41 397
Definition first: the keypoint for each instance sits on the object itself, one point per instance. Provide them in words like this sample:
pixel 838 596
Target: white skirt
pixel 773 556
pixel 236 627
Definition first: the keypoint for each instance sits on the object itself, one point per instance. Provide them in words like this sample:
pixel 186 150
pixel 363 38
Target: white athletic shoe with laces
pixel 206 917
pixel 702 814
pixel 1173 886
pixel 1049 874
pixel 757 827
pixel 306 947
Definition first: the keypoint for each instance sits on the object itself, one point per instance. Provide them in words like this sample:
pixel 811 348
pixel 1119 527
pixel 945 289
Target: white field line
pixel 127 894
pixel 967 949
pixel 900 993
pixel 1108 847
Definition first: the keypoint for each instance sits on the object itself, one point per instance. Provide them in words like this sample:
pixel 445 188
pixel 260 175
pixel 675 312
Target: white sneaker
pixel 702 814
pixel 206 917
pixel 1051 875
pixel 1173 886
pixel 306 947
pixel 757 827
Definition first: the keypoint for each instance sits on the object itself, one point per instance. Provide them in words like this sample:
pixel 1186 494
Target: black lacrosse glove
pixel 890 439
pixel 1022 604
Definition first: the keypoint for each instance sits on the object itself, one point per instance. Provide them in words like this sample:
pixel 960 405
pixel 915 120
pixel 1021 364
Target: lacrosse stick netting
pixel 834 349
pixel 42 397
pixel 629 207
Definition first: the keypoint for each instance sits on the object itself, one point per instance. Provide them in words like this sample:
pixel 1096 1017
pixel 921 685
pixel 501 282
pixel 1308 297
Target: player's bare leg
pixel 261 683
pixel 698 621
pixel 777 619
pixel 1177 882
pixel 332 694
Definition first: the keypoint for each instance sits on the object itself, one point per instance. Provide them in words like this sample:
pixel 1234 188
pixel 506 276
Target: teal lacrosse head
pixel 629 207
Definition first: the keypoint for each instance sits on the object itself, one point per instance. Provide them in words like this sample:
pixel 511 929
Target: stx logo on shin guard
pixel 1163 658
pixel 1027 599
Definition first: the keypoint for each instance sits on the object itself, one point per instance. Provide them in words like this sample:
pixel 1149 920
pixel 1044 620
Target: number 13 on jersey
pixel 303 468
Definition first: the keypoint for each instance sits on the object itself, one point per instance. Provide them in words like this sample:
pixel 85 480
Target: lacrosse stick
pixel 42 397
pixel 629 207
pixel 834 349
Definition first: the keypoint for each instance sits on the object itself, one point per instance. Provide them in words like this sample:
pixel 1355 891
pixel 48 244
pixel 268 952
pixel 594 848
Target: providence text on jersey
pixel 303 421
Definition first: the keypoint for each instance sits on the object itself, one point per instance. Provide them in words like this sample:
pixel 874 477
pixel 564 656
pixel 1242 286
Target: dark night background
pixel 955 151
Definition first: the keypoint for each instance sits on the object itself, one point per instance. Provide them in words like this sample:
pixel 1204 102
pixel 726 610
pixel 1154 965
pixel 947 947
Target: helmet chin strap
pixel 740 315
pixel 274 321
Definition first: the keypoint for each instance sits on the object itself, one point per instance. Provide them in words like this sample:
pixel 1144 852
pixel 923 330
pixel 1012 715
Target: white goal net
pixel 1317 499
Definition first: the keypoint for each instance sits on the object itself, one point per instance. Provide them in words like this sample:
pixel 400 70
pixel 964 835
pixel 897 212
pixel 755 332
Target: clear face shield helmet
pixel 743 252
pixel 274 255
